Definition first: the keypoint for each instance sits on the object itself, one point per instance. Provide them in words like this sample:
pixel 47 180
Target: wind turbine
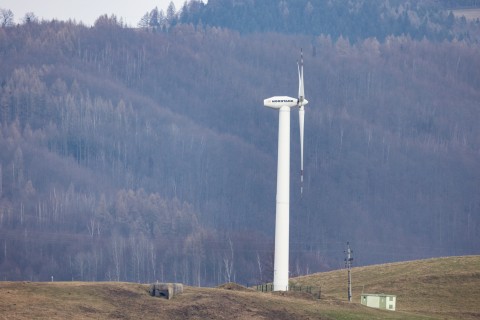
pixel 284 104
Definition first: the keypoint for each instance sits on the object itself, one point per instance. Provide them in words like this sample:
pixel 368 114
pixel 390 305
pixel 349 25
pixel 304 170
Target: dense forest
pixel 355 20
pixel 143 154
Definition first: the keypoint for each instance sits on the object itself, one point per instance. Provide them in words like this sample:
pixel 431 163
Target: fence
pixel 314 291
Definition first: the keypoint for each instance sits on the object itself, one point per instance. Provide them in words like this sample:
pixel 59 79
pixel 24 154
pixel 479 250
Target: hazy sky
pixel 86 11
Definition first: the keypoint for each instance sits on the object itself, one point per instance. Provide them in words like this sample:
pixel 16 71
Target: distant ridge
pixel 356 20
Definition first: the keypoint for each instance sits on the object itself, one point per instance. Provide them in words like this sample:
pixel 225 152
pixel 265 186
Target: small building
pixel 165 290
pixel 380 301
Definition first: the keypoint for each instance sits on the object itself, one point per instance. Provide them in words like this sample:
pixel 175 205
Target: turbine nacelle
pixel 280 101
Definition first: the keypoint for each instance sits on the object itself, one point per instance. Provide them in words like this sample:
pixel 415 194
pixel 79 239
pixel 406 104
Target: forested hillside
pixel 143 154
pixel 355 20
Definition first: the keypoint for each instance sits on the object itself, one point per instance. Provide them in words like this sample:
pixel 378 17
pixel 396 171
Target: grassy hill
pixel 442 287
pixel 427 289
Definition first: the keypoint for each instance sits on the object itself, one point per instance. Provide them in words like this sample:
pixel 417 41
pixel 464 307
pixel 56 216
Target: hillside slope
pixel 445 288
pixel 442 287
pixel 77 300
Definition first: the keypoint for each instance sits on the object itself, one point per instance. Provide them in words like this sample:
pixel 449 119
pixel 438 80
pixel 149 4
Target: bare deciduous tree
pixel 6 18
pixel 228 261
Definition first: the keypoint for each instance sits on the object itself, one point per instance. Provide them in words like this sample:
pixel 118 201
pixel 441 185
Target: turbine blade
pixel 301 114
pixel 301 90
pixel 301 118
pixel 299 84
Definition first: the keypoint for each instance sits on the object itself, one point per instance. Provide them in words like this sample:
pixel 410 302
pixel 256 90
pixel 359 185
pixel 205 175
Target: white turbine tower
pixel 282 220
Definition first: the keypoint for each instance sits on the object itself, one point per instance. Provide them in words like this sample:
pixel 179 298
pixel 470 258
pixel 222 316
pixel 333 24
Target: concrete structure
pixel 165 290
pixel 380 301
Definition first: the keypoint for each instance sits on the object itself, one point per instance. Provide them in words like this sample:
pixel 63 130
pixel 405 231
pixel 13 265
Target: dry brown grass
pixel 445 287
pixel 24 300
pixel 430 289
pixel 57 300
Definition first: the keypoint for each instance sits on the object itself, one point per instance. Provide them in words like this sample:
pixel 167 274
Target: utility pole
pixel 348 265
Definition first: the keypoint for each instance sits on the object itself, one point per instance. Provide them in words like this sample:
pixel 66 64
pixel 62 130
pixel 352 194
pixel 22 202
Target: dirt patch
pixel 295 294
pixel 233 286
pixel 122 293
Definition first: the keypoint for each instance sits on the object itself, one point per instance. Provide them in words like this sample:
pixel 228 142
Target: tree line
pixel 355 20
